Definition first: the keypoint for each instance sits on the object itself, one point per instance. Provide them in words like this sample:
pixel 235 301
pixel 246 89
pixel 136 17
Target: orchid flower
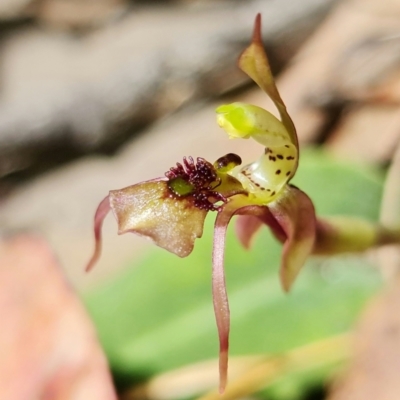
pixel 171 210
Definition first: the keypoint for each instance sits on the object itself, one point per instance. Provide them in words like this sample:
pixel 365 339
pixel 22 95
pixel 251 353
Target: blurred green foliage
pixel 158 314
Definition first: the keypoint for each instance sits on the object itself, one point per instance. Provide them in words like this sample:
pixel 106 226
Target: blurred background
pixel 101 94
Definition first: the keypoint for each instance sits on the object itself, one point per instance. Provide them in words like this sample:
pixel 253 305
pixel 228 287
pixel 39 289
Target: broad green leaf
pixel 340 188
pixel 158 314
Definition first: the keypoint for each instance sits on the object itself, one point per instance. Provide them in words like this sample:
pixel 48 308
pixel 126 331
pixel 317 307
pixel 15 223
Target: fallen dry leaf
pixel 355 136
pixel 48 346
pixel 373 374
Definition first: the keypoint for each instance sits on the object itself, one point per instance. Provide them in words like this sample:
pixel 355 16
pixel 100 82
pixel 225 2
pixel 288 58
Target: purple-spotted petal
pixel 295 213
pixel 150 209
pixel 254 62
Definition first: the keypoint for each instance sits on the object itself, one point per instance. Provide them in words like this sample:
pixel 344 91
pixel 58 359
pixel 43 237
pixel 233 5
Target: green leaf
pixel 158 314
pixel 340 188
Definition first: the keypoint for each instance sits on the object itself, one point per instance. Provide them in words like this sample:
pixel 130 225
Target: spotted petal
pixel 254 62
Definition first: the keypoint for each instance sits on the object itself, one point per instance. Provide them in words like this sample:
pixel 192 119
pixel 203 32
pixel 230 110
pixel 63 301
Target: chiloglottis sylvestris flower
pixel 171 210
